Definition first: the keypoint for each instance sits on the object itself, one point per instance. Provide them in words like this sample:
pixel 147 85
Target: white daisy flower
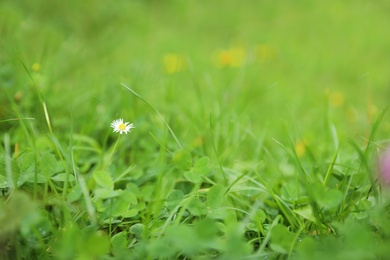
pixel 121 127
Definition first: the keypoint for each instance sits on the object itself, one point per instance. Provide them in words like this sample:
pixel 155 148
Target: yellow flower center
pixel 122 127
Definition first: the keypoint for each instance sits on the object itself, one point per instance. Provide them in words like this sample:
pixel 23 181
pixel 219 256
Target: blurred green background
pixel 265 60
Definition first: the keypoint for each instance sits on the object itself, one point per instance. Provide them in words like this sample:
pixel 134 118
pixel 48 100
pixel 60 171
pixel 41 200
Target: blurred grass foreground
pixel 260 127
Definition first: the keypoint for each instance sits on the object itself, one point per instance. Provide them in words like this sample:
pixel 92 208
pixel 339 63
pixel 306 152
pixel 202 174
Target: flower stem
pixel 113 150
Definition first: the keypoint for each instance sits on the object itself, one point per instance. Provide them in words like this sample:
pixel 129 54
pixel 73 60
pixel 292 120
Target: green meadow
pixel 258 129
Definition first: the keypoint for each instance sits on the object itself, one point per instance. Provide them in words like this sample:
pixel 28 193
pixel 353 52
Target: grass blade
pixel 155 110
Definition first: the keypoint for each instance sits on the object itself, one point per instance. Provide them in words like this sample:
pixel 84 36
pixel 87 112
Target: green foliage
pixel 258 127
pixel 215 196
pixel 83 244
pixel 104 180
pixel 282 240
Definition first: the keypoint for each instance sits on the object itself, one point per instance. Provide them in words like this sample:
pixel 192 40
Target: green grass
pixel 258 129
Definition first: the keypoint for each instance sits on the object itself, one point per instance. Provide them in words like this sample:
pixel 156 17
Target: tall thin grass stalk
pixel 8 163
pixel 112 153
pixel 155 110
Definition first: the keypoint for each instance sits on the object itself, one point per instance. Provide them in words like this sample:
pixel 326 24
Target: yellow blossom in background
pixel 372 112
pixel 233 57
pixel 173 63
pixel 198 141
pixel 300 147
pixel 264 53
pixel 39 78
pixel 372 109
pixel 36 67
pixel 336 99
pixel 351 114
